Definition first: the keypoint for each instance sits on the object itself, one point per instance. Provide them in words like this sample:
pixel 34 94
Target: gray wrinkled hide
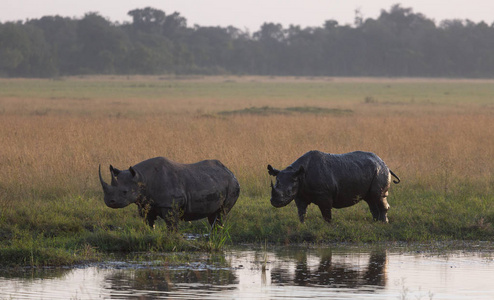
pixel 334 181
pixel 161 187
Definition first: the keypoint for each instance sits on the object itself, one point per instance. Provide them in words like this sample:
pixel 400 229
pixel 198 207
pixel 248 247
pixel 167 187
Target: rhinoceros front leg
pixel 302 209
pixel 151 216
pixel 171 218
pixel 326 212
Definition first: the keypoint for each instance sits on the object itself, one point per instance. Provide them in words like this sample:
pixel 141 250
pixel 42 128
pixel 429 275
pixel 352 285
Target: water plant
pixel 219 235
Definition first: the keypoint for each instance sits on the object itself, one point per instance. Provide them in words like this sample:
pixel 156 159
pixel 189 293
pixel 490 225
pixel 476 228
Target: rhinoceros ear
pixel 272 171
pixel 300 171
pixel 134 173
pixel 114 171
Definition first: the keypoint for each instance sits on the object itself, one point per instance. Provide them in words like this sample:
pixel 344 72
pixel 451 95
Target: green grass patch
pixel 267 110
pixel 78 229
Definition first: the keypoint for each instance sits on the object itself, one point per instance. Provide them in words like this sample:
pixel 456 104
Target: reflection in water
pixel 28 274
pixel 210 274
pixel 170 279
pixel 322 270
pixel 286 273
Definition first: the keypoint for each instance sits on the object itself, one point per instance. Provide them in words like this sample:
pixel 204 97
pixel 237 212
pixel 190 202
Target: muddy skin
pixel 173 191
pixel 334 181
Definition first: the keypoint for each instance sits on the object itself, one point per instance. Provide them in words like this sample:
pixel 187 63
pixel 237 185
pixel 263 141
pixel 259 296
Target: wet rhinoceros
pixel 333 181
pixel 173 191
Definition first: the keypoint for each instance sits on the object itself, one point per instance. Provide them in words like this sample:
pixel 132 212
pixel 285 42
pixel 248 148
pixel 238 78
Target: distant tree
pixel 245 52
pixel 102 45
pixel 175 26
pixel 14 48
pixel 149 54
pixel 211 47
pixel 24 52
pixel 304 51
pixel 468 48
pixel 61 36
pixel 401 28
pixel 399 42
pixel 148 20
pixel 270 32
pixel 271 38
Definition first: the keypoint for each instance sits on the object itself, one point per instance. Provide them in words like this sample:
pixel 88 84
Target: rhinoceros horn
pixel 114 171
pixel 103 183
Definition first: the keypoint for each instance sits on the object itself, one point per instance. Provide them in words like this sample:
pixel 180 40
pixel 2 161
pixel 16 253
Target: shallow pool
pixel 277 273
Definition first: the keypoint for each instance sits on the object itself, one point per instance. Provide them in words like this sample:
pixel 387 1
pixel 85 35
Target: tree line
pixel 399 42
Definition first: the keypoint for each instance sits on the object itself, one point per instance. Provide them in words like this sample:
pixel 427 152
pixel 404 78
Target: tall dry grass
pixel 57 152
pixel 54 134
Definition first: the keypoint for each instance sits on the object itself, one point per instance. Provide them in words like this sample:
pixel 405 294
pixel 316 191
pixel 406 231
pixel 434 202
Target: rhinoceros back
pixel 199 188
pixel 210 186
pixel 346 177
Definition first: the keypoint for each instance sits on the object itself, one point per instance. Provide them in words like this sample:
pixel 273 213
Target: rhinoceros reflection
pixel 33 273
pixel 328 269
pixel 171 279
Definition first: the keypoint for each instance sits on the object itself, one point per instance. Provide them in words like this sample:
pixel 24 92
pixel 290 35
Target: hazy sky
pixel 249 14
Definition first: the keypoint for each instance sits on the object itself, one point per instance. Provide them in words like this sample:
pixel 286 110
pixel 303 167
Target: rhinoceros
pixel 173 191
pixel 333 181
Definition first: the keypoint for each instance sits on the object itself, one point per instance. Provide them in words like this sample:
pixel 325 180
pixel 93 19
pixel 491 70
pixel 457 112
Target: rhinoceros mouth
pixel 280 202
pixel 116 204
pixel 278 198
pixel 277 204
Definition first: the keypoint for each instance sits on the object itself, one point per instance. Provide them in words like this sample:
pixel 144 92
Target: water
pixel 282 273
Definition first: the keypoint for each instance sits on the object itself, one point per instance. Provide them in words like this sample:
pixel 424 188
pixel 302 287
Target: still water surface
pixel 281 273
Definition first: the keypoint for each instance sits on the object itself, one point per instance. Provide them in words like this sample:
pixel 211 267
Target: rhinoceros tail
pixel 395 176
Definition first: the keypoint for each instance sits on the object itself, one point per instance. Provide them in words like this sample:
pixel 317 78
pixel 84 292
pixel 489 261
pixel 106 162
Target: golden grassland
pixel 436 134
pixel 55 138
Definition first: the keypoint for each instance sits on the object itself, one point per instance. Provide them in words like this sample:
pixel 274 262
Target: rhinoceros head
pixel 286 187
pixel 124 188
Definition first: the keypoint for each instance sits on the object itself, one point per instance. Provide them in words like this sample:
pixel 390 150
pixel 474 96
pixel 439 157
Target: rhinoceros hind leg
pixel 215 219
pixel 378 205
pixel 374 210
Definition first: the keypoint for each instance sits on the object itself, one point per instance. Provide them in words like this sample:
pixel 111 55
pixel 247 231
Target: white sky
pixel 249 14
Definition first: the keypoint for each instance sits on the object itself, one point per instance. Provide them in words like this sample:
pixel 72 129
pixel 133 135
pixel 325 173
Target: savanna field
pixel 437 135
